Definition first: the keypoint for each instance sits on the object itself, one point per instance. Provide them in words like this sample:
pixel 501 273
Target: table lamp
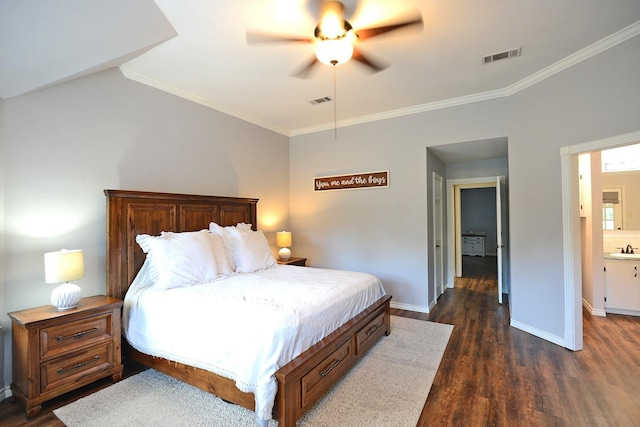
pixel 283 241
pixel 63 266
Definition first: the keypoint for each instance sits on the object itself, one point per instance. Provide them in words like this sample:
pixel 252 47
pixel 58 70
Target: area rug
pixel 388 387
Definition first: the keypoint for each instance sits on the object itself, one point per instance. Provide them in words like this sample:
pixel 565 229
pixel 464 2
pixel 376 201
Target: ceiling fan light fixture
pixel 332 25
pixel 334 51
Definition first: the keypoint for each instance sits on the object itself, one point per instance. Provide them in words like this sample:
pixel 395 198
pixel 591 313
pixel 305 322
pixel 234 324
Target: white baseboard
pixel 625 312
pixel 593 311
pixel 5 393
pixel 409 307
pixel 538 333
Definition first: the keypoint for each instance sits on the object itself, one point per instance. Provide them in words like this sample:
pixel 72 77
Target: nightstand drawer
pixel 67 369
pixel 60 338
pixel 55 351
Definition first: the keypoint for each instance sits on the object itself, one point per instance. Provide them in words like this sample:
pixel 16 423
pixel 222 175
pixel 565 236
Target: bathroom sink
pixel 624 256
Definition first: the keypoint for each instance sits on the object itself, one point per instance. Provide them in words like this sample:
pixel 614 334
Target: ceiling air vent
pixel 502 55
pixel 321 100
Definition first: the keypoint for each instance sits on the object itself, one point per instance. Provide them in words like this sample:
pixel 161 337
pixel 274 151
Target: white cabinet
pixel 622 286
pixel 473 245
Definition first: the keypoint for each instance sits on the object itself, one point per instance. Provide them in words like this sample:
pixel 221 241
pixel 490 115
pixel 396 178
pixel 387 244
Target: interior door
pixel 438 213
pixel 500 227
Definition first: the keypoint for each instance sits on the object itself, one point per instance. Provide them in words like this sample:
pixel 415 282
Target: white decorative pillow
pixel 180 259
pixel 251 251
pixel 224 266
pixel 223 232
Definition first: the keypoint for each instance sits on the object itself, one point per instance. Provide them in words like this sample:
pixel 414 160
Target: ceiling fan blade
pixel 303 72
pixel 367 33
pixel 375 67
pixel 256 38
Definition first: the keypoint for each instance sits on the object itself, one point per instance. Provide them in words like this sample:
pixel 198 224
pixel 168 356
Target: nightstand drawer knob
pixel 79 365
pixel 76 335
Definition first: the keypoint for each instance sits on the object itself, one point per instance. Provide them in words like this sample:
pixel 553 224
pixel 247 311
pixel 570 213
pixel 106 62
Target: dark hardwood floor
pixel 495 375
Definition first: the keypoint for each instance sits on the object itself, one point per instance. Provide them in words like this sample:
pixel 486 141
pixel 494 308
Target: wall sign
pixel 353 181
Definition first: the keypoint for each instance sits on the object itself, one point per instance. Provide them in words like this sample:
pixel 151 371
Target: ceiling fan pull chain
pixel 335 106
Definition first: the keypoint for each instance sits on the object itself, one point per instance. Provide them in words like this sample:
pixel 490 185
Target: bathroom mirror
pixel 621 188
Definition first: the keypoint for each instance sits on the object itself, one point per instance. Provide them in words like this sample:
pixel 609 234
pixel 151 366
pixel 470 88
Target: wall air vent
pixel 502 55
pixel 321 100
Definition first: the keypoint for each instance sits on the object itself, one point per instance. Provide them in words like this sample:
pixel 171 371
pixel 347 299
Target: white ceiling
pixel 197 49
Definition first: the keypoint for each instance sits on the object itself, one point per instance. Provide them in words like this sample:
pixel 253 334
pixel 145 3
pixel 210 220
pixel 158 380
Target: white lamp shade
pixel 283 239
pixel 334 51
pixel 63 266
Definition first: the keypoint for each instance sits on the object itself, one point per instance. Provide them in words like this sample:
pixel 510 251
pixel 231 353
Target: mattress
pixel 248 325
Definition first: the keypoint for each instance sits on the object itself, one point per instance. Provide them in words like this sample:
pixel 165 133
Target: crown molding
pixel 596 48
pixel 592 50
pixel 437 105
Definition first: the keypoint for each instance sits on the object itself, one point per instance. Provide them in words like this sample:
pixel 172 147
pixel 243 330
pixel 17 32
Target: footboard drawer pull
pixel 77 334
pixel 330 368
pixel 79 365
pixel 372 330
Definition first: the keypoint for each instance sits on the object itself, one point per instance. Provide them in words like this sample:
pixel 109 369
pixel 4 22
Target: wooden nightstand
pixel 55 352
pixel 302 262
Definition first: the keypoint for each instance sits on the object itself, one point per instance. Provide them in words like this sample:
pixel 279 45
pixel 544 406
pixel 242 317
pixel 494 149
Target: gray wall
pixel 382 231
pixel 3 368
pixel 385 231
pixel 594 99
pixel 65 144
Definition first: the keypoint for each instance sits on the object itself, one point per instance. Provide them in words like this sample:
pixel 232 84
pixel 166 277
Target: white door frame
pixel 454 253
pixel 438 236
pixel 500 226
pixel 571 231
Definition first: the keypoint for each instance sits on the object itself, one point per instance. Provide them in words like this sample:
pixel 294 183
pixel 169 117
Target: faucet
pixel 629 249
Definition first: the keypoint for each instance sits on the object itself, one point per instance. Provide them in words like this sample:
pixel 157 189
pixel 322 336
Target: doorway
pixel 571 231
pixel 455 230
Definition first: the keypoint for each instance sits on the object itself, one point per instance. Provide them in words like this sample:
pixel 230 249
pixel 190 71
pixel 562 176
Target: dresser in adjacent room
pixel 473 243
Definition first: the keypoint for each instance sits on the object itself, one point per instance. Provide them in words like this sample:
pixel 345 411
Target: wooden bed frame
pixel 303 380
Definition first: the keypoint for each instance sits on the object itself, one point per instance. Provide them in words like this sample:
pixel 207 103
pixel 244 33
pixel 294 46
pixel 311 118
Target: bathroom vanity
pixel 622 284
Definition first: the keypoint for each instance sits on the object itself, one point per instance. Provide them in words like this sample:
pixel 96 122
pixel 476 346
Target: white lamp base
pixel 284 254
pixel 65 296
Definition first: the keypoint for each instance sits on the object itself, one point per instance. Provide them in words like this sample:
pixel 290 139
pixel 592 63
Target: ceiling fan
pixel 335 39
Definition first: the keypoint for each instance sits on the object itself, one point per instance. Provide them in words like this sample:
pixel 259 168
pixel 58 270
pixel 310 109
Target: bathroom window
pixel 608 217
pixel 612 209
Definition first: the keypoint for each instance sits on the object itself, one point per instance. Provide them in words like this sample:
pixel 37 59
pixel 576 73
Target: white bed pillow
pixel 223 232
pixel 223 265
pixel 181 259
pixel 251 251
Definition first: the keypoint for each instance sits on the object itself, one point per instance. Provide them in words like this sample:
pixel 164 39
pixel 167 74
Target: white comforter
pixel 248 325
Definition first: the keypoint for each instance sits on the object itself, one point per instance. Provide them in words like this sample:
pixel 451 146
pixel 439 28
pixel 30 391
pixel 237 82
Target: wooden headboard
pixel 130 213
